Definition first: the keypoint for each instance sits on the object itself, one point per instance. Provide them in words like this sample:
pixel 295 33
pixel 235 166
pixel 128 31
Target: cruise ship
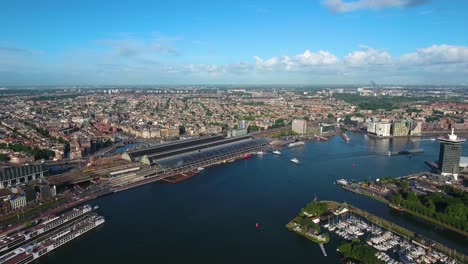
pixel 14 240
pixel 29 253
pixel 295 160
pixel 277 152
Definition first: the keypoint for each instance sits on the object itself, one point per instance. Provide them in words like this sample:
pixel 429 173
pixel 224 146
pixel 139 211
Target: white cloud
pixel 297 62
pixel 434 64
pixel 437 54
pixel 367 56
pixel 269 64
pixel 340 6
pixel 308 58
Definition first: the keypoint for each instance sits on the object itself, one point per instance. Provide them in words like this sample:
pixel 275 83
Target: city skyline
pixel 305 42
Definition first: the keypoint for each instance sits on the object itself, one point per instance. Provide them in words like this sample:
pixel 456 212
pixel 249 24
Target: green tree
pixel 4 157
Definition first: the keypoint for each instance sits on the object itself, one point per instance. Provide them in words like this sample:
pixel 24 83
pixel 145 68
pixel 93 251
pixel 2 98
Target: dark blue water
pixel 211 218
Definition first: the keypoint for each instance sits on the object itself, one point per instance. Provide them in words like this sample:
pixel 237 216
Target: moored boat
pixel 295 160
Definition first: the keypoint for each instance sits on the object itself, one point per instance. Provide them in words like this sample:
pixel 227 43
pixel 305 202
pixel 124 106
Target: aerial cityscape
pixel 154 132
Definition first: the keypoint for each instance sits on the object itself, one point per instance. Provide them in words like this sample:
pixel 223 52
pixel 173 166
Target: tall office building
pixel 241 124
pixel 299 126
pixel 449 155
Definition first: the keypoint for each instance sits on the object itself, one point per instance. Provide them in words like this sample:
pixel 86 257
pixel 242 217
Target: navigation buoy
pixel 256 225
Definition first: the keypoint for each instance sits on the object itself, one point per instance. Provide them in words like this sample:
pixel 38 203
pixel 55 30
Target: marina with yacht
pixel 391 247
pixel 392 244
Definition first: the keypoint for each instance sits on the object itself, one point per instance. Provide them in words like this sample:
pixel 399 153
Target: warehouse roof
pixel 154 150
pixel 192 157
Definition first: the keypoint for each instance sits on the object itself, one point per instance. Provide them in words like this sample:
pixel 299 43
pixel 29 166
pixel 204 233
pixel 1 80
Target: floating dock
pixel 323 249
pixel 405 152
pixel 179 177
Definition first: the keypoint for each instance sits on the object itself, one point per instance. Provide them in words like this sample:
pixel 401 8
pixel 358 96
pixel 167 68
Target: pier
pixel 323 249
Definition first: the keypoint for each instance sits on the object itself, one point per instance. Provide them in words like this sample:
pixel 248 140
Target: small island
pixel 306 222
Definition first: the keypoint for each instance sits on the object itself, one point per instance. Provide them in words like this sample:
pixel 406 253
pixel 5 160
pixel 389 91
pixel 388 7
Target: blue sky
pixel 233 42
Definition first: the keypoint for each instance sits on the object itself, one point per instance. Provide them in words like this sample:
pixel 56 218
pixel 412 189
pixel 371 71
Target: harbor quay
pixel 388 242
pixel 169 162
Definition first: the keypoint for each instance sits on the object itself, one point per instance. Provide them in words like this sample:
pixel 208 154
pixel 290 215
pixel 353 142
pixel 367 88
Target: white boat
pixel 277 152
pixel 260 153
pixel 295 160
pixel 200 168
pixel 295 144
pixel 342 182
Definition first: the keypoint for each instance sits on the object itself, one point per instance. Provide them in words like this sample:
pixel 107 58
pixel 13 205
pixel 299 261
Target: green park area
pixel 448 208
pixel 358 251
pixel 304 225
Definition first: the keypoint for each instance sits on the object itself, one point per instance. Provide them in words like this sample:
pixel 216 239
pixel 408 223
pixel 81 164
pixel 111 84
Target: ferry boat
pixel 295 160
pixel 345 137
pixel 396 207
pixel 277 152
pixel 296 144
pixel 342 182
pixel 14 240
pixel 29 253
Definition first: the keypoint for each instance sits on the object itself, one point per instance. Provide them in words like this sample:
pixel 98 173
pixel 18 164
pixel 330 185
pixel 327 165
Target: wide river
pixel 211 217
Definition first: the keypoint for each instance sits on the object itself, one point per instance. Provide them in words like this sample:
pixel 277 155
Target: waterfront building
pixel 416 128
pixel 449 154
pixel 371 127
pixel 196 152
pixel 400 129
pixel 382 129
pixel 299 126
